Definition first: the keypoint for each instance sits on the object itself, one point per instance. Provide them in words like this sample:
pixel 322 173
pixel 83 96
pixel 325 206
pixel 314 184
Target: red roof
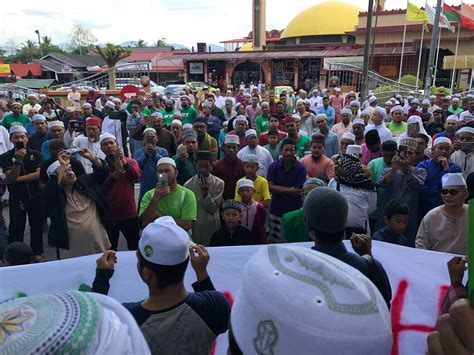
pixel 22 70
pixel 140 56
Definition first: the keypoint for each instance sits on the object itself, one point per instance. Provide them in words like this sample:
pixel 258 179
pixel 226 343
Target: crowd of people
pixel 238 169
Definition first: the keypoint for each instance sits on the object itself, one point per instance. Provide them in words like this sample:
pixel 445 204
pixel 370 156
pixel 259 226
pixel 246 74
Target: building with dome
pixel 314 40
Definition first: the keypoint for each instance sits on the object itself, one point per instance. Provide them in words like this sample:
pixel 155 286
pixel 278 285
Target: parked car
pixel 279 89
pixel 175 90
pixel 199 85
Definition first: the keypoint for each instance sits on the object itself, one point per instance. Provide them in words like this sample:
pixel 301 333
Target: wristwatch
pixel 16 162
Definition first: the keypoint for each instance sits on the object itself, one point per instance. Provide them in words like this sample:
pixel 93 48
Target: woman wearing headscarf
pixel 355 183
pixel 415 127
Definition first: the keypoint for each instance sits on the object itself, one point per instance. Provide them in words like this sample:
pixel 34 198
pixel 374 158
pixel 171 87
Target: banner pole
pixel 403 47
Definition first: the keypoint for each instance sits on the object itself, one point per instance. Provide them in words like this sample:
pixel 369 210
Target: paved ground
pixel 50 253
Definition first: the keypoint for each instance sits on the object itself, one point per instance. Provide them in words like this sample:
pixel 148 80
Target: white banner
pixel 418 278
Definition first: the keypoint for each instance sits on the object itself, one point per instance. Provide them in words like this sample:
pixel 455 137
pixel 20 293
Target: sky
pixel 179 21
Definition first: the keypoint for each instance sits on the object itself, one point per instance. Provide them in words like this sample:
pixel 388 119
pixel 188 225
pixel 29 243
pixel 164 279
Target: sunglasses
pixel 452 192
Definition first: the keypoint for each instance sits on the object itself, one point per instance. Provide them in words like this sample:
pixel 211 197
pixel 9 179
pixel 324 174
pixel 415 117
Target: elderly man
pixel 378 119
pixel 31 105
pixel 397 126
pixel 433 106
pixel 464 147
pixel 345 125
pixel 230 168
pixel 307 119
pixel 169 198
pixel 315 100
pixel 208 190
pixel 89 142
pixel 15 117
pixel 444 228
pixel 435 168
pixel 56 131
pixel 264 156
pixel 454 108
pixel 74 97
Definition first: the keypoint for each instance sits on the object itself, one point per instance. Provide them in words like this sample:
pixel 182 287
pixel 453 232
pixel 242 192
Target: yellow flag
pixel 415 14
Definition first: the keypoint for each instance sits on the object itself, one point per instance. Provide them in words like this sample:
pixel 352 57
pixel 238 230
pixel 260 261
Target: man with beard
pixel 205 141
pixel 188 112
pixel 168 112
pixel 90 142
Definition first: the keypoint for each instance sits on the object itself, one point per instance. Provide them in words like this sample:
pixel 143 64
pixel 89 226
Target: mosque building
pixel 327 39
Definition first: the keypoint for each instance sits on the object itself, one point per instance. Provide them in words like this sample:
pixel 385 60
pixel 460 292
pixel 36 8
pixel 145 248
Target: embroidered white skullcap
pixel 465 130
pixel 105 136
pixel 296 297
pixel 389 103
pixel 166 160
pixel 440 140
pixel 187 126
pixel 110 104
pixel 240 118
pixel 38 117
pixel 53 168
pixel 396 108
pixel 348 135
pixel 425 102
pixel 354 149
pixel 86 105
pixel 116 100
pixel 149 129
pixel 231 139
pixel 453 179
pixel 354 103
pixel 358 121
pixel 346 111
pixel 245 183
pixel 250 132
pixel 454 118
pixel 17 128
pixel 178 122
pixel 56 123
pixel 372 99
pixel 163 242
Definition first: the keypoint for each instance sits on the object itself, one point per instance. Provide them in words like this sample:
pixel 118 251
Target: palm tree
pixel 111 55
pixel 140 43
pixel 161 42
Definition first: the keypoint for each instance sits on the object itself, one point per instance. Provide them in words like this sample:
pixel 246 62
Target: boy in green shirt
pixel 272 145
pixel 262 121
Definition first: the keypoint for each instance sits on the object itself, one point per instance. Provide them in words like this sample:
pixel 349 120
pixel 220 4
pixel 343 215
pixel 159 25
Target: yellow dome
pixel 326 18
pixel 247 47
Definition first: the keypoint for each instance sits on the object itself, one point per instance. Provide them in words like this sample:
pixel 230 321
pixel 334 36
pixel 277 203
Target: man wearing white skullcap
pixel 264 156
pixel 173 320
pixel 468 115
pixel 284 307
pixel 444 228
pixel 347 139
pixel 69 322
pixel 435 168
pixel 32 104
pixel 454 108
pixel 345 125
pixel 433 106
pixel 463 150
pixel 378 122
pixel 188 112
pixel 397 126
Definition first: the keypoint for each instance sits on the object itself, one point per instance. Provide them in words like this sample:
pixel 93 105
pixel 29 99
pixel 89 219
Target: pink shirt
pixel 368 155
pixel 321 166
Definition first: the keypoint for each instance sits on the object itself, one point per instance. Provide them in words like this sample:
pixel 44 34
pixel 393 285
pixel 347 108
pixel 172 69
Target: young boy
pixel 17 253
pixel 253 213
pixel 272 145
pixel 261 189
pixel 232 232
pixel 396 220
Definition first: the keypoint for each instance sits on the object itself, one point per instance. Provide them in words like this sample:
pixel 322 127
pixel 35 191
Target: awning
pixel 462 62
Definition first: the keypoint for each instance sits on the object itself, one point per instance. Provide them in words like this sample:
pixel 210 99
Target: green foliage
pixel 435 90
pixel 409 80
pixel 112 53
pixel 161 42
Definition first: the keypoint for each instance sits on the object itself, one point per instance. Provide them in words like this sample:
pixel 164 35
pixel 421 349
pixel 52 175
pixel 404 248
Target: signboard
pixel 196 68
pixel 133 67
pixel 388 70
pixel 5 69
pixel 416 296
pixel 66 68
pixel 129 91
pixel 330 63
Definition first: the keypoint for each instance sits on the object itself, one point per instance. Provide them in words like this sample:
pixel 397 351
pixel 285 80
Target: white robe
pixel 114 128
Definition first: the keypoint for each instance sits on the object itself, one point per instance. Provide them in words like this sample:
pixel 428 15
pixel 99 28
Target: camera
pixel 77 125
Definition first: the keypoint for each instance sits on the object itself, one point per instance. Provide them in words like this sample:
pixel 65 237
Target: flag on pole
pixel 443 20
pixel 464 15
pixel 415 14
pixel 451 13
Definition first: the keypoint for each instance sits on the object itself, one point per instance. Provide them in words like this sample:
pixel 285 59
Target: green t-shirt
pixel 167 116
pixel 294 226
pixel 377 166
pixel 397 128
pixel 301 145
pixel 262 124
pixel 188 115
pixel 179 203
pixel 273 151
pixel 9 119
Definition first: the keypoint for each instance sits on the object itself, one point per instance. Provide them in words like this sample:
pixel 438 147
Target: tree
pixel 81 38
pixel 48 46
pixel 161 42
pixel 111 55
pixel 28 51
pixel 140 43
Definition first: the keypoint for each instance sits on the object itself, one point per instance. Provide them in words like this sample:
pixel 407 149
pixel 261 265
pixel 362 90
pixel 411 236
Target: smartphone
pixel 402 151
pixel 162 181
pixel 72 150
pixel 77 125
pixel 19 145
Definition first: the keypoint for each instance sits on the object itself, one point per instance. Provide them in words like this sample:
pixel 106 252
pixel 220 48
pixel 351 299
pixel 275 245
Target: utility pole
pixel 365 68
pixel 433 49
pixel 39 43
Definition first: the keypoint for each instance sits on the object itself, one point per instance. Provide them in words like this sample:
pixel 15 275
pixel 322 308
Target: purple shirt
pixel 295 176
pixel 252 113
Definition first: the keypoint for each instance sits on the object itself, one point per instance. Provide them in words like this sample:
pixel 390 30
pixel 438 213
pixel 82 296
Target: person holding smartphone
pixel 22 167
pixel 462 150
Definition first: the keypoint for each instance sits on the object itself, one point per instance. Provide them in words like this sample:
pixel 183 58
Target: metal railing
pixel 16 90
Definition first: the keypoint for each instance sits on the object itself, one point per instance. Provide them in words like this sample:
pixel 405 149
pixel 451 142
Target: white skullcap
pixel 389 103
pixel 441 140
pixel 42 96
pixel 187 126
pixel 410 97
pixel 346 111
pixel 354 103
pixel 455 99
pixel 240 118
pixel 166 160
pixel 32 95
pixel 163 242
pixel 178 122
pixel 372 99
pixel 231 139
pixel 358 121
pixel 300 101
pixel 425 102
pixel 337 89
pixel 264 104
pixel 415 101
pixel 110 104
pixel 414 119
pixel 396 108
pixel 453 179
pixel 348 135
pixel 382 112
pixel 250 132
pixel 105 136
pixel 86 105
pixel 207 104
pixel 53 168
pixel 454 118
pixel 411 92
pixel 354 149
pixel 293 296
pixel 116 100
pixel 38 117
pixel 149 129
pixel 449 97
pixel 321 115
pixel 225 123
pixel 56 123
pixel 17 128
pixel 157 114
pixel 245 183
pixel 433 97
pixel 102 92
pixel 465 130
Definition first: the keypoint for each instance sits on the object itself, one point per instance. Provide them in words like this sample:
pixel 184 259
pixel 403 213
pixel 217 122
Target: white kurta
pixel 114 127
pixel 264 158
pixel 83 143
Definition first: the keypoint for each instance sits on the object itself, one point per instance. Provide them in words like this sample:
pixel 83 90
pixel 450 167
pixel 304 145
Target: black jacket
pixel 55 201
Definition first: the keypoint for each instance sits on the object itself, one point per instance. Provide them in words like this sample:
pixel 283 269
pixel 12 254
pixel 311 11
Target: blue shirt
pixel 147 164
pixel 386 235
pixel 331 145
pixel 293 177
pixel 45 150
pixel 330 113
pixel 430 196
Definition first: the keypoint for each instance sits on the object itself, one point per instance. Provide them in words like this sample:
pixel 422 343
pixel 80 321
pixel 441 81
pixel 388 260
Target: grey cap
pixel 326 210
